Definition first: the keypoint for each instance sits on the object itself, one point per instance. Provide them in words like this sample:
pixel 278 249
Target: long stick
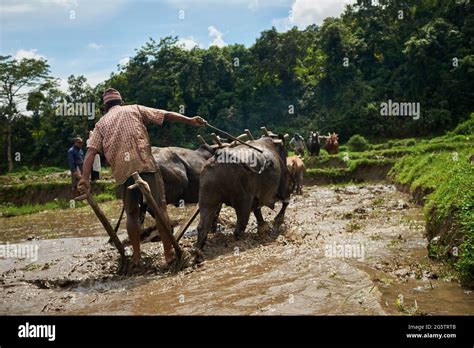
pixel 118 222
pixel 105 222
pixel 184 227
pixel 232 137
pixel 159 216
pixel 178 235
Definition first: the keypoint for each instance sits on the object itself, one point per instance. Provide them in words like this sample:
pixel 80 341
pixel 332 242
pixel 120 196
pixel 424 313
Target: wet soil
pixel 342 250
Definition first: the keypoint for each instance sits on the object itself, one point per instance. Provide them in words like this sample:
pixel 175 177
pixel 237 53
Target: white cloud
pixel 94 46
pixel 124 61
pixel 306 12
pixel 62 84
pixel 12 8
pixel 65 3
pixel 188 43
pixel 96 77
pixel 28 54
pixel 21 6
pixel 93 78
pixel 26 15
pixel 253 5
pixel 217 37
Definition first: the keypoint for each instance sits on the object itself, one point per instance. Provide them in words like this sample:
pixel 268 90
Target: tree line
pixel 332 77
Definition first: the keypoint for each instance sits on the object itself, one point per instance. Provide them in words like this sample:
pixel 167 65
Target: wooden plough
pixel 161 220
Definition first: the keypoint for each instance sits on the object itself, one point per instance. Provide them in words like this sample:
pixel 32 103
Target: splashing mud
pixel 347 250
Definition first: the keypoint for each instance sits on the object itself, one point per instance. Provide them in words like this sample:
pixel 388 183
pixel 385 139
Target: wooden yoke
pixel 201 139
pixel 250 136
pixel 216 139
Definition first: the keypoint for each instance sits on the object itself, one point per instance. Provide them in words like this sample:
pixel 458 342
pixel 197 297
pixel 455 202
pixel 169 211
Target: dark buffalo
pixel 245 179
pixel 180 169
pixel 313 144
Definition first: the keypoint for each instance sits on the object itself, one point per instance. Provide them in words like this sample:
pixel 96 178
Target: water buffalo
pixel 313 144
pixel 296 169
pixel 332 144
pixel 180 169
pixel 245 179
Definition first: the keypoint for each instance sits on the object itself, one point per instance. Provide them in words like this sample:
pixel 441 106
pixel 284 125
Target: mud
pixel 343 250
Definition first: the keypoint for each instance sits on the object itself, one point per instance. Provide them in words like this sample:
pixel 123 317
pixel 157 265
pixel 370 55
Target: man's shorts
pixel 95 175
pixel 133 197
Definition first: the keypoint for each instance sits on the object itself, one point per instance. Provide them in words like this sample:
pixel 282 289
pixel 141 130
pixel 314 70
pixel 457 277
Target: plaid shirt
pixel 122 137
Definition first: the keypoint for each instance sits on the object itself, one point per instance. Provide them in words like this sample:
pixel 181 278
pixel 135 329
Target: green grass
pixel 466 127
pixel 448 177
pixel 35 171
pixel 438 170
pixel 26 175
pixel 8 210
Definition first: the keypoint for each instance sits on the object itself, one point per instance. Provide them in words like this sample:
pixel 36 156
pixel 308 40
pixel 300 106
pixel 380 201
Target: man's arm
pixel 177 117
pixel 157 116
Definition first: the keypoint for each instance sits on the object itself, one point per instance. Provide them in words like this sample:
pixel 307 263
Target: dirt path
pixel 348 250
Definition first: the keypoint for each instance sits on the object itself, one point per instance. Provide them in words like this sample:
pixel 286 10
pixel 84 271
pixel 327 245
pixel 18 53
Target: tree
pixel 79 91
pixel 18 78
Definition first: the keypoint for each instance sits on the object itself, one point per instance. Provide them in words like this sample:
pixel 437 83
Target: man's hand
pixel 76 174
pixel 198 121
pixel 84 186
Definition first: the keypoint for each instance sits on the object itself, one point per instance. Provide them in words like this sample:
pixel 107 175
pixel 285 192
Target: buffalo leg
pixel 281 214
pixel 242 210
pixel 216 217
pixel 258 215
pixel 205 223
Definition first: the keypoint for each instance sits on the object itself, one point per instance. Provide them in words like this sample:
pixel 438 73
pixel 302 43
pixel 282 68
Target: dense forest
pixel 332 77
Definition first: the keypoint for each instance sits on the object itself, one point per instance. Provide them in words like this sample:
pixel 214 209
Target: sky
pixel 91 37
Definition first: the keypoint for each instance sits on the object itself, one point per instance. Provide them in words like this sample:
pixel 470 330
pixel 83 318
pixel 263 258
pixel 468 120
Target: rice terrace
pixel 316 160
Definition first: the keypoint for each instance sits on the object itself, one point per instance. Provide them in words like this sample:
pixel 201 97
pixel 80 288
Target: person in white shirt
pixel 95 172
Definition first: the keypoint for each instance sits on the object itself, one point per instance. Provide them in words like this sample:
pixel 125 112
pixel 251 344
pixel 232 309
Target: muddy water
pixel 347 250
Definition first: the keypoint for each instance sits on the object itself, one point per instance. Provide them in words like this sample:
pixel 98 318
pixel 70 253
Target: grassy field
pixel 438 172
pixel 9 210
pixel 49 185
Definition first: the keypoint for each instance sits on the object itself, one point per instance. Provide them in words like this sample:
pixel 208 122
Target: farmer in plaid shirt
pixel 121 136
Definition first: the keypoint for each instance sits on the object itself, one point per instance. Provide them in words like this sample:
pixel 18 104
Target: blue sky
pixel 90 37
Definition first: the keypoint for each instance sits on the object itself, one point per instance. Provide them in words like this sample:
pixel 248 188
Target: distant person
pixel 297 142
pixel 95 172
pixel 75 157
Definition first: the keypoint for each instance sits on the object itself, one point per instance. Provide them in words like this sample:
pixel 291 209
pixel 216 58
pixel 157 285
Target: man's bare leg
pixel 133 229
pixel 167 246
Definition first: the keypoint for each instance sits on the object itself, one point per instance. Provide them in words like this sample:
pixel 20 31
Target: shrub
pixel 357 143
pixel 466 127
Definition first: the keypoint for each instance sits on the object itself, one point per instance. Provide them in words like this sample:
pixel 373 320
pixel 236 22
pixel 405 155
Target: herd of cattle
pixel 314 143
pixel 249 178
